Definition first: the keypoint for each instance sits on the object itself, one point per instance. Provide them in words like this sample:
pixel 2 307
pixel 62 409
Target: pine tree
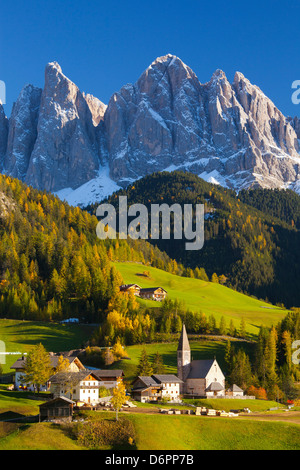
pixel 222 327
pixel 241 370
pixel 157 364
pixel 232 330
pixel 287 347
pixel 228 355
pixel 144 366
pixel 242 331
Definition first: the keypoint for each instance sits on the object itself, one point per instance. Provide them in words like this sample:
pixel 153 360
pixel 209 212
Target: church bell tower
pixel 183 356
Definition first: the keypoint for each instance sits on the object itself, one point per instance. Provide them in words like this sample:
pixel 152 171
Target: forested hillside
pixel 284 204
pixel 52 265
pixel 256 250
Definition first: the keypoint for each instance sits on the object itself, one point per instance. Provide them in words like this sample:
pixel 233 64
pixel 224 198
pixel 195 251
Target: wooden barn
pixel 60 408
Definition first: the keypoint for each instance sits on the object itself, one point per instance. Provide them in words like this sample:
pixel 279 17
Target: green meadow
pixel 21 336
pixel 209 433
pixel 208 297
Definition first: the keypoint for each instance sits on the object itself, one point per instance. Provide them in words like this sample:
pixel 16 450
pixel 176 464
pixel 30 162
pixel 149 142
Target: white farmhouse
pixel 157 387
pixel 83 386
pixel 20 367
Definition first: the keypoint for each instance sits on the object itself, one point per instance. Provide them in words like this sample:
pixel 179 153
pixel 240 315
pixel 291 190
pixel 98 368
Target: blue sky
pixel 102 45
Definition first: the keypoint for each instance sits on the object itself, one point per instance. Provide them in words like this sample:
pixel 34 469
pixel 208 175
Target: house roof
pixel 156 380
pixel 127 286
pixel 71 377
pixel 63 399
pixel 54 357
pixel 114 373
pixel 183 344
pixel 151 289
pixel 200 368
pixel 214 387
pixel 166 378
pixel 147 380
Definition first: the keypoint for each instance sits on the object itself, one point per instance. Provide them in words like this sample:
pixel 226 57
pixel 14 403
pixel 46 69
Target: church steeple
pixel 183 355
pixel 183 344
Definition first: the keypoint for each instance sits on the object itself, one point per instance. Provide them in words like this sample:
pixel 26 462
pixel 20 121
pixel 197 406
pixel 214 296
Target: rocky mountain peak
pixel 61 139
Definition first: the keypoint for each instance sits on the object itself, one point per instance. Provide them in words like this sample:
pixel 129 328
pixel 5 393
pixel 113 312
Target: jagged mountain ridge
pixel 65 141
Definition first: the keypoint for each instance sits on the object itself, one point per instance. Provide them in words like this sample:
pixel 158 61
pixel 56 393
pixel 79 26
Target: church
pixel 201 378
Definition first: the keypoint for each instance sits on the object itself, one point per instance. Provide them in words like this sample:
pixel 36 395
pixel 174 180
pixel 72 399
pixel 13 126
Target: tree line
pixel 271 372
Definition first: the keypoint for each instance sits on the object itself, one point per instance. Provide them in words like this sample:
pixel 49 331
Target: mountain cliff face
pixel 227 133
pixel 63 140
pixel 22 131
pixel 3 134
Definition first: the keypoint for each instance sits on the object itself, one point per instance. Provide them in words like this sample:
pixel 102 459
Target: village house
pixel 156 388
pixel 150 293
pixel 134 288
pixel 20 364
pixel 80 386
pixel 153 293
pixel 201 378
pixel 83 386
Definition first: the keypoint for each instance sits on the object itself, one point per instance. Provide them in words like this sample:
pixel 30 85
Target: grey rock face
pixel 230 133
pixel 22 131
pixel 65 152
pixel 3 135
pixel 96 107
pixel 227 133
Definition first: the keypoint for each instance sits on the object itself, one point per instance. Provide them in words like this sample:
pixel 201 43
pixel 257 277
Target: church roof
pixel 214 387
pixel 183 344
pixel 200 368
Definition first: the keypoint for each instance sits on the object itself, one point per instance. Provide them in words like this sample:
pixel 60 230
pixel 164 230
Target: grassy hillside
pixel 168 433
pixel 207 297
pixel 191 433
pixel 21 336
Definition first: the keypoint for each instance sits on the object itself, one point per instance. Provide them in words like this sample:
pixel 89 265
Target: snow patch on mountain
pixel 91 192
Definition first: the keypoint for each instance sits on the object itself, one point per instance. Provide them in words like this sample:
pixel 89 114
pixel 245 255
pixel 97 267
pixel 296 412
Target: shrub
pixel 97 434
pixel 258 392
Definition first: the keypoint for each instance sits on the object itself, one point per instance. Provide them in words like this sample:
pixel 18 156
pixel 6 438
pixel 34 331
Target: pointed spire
pixel 183 344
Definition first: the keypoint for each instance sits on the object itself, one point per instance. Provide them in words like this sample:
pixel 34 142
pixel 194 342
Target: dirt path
pixel 285 416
